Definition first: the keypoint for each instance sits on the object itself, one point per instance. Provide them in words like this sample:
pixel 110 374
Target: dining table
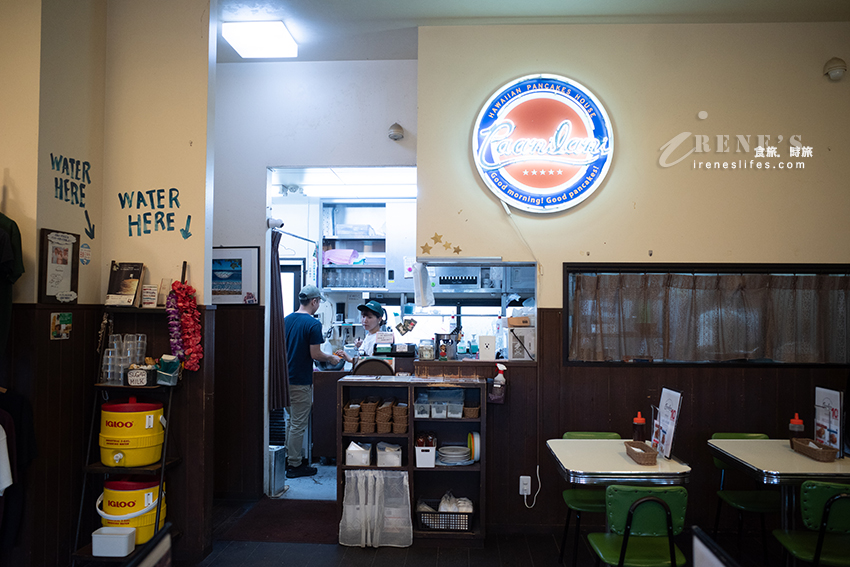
pixel 605 461
pixel 774 462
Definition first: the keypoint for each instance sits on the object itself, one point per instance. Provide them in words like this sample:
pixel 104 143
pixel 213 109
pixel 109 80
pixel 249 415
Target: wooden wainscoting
pixel 57 378
pixel 546 398
pixel 239 402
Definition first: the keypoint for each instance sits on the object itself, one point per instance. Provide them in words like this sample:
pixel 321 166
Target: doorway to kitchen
pixel 323 209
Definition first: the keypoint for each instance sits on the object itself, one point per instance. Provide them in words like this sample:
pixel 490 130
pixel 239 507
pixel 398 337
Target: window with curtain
pixel 783 314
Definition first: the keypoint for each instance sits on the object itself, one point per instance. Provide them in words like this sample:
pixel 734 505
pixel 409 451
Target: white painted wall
pixel 654 80
pixel 302 114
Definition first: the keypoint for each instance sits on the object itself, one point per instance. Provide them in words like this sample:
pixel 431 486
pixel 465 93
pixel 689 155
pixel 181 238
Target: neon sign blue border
pixel 492 134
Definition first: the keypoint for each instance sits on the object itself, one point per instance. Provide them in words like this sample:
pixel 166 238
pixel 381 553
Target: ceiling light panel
pixel 259 40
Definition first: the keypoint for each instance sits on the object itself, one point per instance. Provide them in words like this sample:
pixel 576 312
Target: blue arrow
pixel 90 229
pixel 185 231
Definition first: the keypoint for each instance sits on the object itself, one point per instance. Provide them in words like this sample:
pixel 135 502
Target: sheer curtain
pixel 708 317
pixel 278 370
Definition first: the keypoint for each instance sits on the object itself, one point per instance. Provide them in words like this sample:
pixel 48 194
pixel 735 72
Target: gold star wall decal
pixel 426 248
pixel 447 245
pixel 457 250
pixel 437 238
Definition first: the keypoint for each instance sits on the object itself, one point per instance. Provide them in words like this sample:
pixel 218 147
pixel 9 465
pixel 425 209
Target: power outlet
pixel 524 485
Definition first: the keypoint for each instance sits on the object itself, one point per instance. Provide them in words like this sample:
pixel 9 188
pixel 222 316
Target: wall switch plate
pixel 524 485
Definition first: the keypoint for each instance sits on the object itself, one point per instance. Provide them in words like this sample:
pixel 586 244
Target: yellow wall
pixel 156 113
pixel 751 79
pixel 71 127
pixel 20 39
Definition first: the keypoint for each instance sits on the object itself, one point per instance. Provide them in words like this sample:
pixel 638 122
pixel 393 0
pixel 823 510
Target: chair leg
pixel 717 518
pixel 564 537
pixel 577 539
pixel 763 539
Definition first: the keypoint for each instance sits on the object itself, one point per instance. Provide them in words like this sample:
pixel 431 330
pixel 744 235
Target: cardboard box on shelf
pixel 522 343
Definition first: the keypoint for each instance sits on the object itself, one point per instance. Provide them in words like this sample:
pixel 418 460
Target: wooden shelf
pixel 469 479
pixel 151 470
pixel 85 553
pixel 447 420
pixel 475 467
pixel 381 435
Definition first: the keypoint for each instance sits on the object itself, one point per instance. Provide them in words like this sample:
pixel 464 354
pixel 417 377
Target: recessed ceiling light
pixel 256 40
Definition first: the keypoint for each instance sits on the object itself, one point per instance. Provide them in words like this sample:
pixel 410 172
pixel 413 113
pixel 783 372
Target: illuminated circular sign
pixel 542 143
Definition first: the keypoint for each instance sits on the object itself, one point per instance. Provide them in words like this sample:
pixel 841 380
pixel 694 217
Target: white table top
pixel 604 461
pixel 773 461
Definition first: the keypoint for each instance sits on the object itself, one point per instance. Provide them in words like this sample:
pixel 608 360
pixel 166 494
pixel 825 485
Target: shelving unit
pixel 104 393
pixel 425 483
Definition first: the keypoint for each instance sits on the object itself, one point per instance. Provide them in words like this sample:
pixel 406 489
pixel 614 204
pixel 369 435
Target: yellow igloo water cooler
pixel 131 504
pixel 131 433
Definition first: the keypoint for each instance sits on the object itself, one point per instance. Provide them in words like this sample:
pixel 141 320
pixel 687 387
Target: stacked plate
pixel 451 455
pixel 473 441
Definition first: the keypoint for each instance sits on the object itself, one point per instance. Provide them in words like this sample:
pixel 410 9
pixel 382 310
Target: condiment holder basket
pixel 641 453
pixel 823 453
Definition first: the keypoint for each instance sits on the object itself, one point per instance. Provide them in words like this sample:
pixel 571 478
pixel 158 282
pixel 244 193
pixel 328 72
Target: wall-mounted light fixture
pixel 835 69
pixel 396 132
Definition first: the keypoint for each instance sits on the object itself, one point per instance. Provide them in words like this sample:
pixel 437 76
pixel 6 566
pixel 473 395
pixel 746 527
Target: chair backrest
pixel 373 367
pixel 720 464
pixel 813 497
pixel 649 519
pixel 591 435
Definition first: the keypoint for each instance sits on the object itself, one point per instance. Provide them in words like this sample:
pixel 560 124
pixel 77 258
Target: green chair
pixel 759 502
pixel 825 507
pixel 582 499
pixel 642 521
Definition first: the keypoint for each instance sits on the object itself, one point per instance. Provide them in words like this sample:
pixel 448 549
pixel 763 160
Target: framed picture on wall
pixel 59 265
pixel 236 275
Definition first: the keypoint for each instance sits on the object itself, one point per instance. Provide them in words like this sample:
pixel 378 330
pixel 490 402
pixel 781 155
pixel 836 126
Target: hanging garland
pixel 184 325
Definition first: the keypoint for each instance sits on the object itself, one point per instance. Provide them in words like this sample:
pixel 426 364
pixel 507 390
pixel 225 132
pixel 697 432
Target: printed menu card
pixel 664 424
pixel 829 418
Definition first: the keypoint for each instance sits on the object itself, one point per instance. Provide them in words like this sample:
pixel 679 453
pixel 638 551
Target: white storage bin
pixel 113 542
pixel 421 409
pixel 358 455
pixel 426 457
pixel 388 455
pixel 438 410
pixel 454 410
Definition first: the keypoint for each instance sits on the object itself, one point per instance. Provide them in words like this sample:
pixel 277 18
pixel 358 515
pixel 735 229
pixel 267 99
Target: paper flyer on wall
pixel 829 418
pixel 664 424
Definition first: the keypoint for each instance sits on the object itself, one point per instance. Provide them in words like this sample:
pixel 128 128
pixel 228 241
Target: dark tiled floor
pixel 498 551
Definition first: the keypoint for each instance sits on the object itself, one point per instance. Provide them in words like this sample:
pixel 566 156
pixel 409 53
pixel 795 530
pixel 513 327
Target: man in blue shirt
pixel 303 345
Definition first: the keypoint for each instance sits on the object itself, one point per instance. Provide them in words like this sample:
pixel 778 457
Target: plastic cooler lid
pixel 130 484
pixel 131 405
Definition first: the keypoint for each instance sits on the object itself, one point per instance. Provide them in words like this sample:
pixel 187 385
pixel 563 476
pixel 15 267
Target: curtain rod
pixel 294 236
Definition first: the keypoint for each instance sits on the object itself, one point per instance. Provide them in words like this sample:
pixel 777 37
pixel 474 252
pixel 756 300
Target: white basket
pixel 358 456
pixel 426 457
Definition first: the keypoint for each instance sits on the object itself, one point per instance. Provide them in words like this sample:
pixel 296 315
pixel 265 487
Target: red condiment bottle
pixel 795 429
pixel 639 428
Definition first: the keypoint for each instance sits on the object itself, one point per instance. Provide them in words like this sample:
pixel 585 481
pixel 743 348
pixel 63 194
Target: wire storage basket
pixel 443 521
